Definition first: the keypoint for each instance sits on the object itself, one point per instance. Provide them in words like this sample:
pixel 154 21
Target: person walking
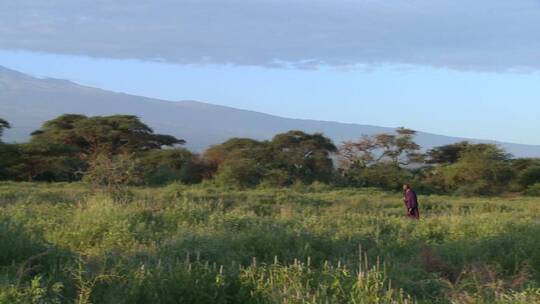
pixel 411 202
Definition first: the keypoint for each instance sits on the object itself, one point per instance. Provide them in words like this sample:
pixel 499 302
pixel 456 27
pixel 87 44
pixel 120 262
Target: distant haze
pixel 27 102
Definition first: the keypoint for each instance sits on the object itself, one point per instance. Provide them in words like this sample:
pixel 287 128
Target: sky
pixel 452 67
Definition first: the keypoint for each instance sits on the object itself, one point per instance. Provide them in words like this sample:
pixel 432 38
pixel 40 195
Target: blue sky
pixel 448 67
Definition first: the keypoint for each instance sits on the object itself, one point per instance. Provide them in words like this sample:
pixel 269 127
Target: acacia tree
pixel 357 154
pixel 111 135
pixel 398 149
pixel 237 148
pixel 100 142
pixel 288 157
pixel 46 161
pixel 481 169
pixel 447 154
pixel 223 160
pixel 167 165
pixel 305 157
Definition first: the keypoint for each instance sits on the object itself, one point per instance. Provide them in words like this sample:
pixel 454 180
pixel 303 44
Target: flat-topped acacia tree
pixel 97 135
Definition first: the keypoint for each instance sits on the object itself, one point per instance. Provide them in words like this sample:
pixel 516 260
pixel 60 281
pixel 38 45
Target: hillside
pixel 27 102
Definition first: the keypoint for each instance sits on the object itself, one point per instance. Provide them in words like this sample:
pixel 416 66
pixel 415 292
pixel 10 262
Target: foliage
pixel 206 244
pixel 102 134
pixel 398 149
pixel 529 176
pixel 172 165
pixel 481 169
pixel 236 148
pixel 447 154
pixel 533 190
pixel 241 172
pixel 246 162
pixel 383 175
pixel 9 157
pixel 36 293
pixel 376 161
pixel 47 161
pixel 306 157
pixel 71 146
pixel 114 172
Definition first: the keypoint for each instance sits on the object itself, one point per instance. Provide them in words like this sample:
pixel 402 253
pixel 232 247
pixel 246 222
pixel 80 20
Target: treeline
pixel 122 150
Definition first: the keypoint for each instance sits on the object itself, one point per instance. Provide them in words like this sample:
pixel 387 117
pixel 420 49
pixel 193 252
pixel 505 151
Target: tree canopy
pixel 397 149
pixel 305 157
pixel 480 169
pixel 297 155
pixel 103 134
pixel 121 149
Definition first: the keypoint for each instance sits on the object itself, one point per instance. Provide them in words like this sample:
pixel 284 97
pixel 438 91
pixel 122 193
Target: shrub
pixel 113 171
pixel 529 176
pixel 533 190
pixel 276 178
pixel 385 175
pixel 242 172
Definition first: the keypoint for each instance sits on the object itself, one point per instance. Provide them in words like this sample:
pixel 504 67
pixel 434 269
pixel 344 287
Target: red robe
pixel 411 202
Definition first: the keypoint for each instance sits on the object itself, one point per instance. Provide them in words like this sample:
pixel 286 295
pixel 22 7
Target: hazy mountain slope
pixel 27 102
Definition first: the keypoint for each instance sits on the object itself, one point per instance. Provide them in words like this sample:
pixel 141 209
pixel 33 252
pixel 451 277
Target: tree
pixel 237 148
pixel 398 149
pixel 103 135
pixel 529 176
pixel 9 158
pixel 8 153
pixel 360 154
pixel 306 157
pixel 114 172
pixel 481 169
pixel 288 157
pixel 447 154
pixel 163 166
pixel 382 175
pixel 3 125
pixel 46 161
pixel 241 172
pixel 239 161
pixel 527 172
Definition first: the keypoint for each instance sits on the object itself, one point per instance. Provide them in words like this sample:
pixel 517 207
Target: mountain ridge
pixel 27 102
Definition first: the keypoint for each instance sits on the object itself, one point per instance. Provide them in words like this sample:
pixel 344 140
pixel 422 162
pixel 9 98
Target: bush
pixel 168 245
pixel 276 178
pixel 114 171
pixel 17 245
pixel 189 173
pixel 385 175
pixel 242 172
pixel 481 170
pixel 533 190
pixel 529 176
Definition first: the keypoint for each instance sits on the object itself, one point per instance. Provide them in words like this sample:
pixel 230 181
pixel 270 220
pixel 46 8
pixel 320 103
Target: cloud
pixel 493 35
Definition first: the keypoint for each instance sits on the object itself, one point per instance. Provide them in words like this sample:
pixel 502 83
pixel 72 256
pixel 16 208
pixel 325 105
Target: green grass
pixel 68 243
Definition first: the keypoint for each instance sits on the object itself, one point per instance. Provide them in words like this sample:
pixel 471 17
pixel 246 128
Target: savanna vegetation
pixel 103 210
pixel 67 243
pixel 119 150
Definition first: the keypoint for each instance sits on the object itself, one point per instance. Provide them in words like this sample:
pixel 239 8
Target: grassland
pixel 68 243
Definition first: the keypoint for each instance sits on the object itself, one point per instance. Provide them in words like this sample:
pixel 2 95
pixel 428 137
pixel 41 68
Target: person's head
pixel 406 187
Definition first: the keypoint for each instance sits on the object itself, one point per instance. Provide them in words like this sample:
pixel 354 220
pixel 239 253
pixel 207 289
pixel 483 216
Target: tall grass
pixel 68 243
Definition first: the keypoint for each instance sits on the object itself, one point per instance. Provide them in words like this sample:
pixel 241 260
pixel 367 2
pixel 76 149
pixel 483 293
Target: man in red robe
pixel 411 202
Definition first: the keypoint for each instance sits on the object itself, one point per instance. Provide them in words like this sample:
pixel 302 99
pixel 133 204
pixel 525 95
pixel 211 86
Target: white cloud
pixel 460 34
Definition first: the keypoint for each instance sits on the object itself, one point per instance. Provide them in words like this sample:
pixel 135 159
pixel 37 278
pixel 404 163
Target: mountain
pixel 26 102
